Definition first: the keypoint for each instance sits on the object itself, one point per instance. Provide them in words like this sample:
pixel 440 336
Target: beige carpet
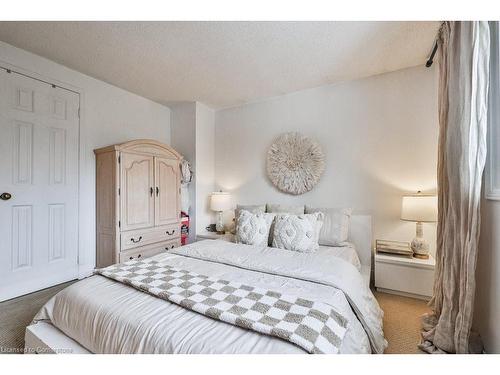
pixel 402 322
pixel 401 319
pixel 17 313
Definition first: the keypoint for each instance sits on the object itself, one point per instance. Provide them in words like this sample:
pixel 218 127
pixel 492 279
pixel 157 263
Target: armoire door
pixel 39 178
pixel 167 208
pixel 136 191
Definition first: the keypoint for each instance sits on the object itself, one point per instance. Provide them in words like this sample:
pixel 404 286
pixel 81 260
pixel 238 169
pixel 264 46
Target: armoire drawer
pixel 148 251
pixel 172 244
pixel 140 237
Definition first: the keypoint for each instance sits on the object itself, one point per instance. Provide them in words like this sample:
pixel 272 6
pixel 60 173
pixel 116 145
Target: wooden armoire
pixel 138 201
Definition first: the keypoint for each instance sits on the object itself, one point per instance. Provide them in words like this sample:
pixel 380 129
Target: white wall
pixel 487 305
pixel 379 135
pixel 109 115
pixel 205 161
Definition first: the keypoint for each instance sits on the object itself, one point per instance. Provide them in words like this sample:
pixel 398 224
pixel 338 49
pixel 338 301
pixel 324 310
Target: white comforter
pixel 105 316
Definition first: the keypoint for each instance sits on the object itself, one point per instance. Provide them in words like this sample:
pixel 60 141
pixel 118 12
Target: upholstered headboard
pixel 360 234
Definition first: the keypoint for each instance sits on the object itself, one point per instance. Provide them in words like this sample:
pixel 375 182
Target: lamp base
pixel 421 256
pixel 219 226
pixel 420 246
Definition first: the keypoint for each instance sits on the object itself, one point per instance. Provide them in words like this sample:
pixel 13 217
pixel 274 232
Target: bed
pixel 100 315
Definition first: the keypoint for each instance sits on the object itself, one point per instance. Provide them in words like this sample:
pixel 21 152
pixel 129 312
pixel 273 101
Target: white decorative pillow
pixel 253 229
pixel 255 208
pixel 335 230
pixel 297 232
pixel 282 209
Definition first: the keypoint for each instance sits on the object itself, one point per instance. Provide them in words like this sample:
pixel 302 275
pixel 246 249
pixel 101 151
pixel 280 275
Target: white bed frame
pixel 44 338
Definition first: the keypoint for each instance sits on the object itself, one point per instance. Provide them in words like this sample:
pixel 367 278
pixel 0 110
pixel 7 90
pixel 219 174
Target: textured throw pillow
pixel 297 232
pixel 253 229
pixel 336 222
pixel 252 208
pixel 284 209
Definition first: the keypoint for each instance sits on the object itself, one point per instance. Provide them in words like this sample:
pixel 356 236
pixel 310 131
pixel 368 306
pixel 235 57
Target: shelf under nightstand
pixel 409 277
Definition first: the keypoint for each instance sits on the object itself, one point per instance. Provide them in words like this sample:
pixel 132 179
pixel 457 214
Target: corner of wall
pixel 193 135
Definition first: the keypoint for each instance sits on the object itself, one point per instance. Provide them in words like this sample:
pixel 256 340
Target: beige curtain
pixel 463 100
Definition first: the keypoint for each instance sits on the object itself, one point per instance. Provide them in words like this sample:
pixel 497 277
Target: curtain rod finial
pixel 431 57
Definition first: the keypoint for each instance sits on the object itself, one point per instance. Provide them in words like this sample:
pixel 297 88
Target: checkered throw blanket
pixel 312 325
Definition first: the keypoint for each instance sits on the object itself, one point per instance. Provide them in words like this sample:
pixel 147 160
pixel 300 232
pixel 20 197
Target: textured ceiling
pixel 225 63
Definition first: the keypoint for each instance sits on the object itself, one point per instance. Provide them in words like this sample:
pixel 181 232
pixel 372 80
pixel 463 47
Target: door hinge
pixel 78 112
pixel 119 224
pixel 119 159
pixel 118 191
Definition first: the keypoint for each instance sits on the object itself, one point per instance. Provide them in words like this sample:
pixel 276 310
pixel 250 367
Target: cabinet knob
pixel 168 233
pixel 5 196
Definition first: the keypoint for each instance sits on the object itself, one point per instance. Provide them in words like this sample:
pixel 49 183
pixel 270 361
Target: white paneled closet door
pixel 39 142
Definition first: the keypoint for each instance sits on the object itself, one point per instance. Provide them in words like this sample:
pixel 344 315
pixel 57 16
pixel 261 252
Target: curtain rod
pixel 429 62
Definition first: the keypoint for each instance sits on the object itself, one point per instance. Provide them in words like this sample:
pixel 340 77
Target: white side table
pixel 214 236
pixel 409 277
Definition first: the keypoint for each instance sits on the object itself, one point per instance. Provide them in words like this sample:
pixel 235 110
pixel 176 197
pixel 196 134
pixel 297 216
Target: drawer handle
pixel 167 232
pixel 135 241
pixel 169 248
pixel 131 258
pixel 138 256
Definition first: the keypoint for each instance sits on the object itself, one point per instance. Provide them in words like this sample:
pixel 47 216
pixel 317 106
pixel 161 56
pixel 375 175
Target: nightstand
pixel 214 236
pixel 409 277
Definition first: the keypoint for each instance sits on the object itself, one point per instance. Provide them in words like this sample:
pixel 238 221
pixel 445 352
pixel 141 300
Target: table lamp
pixel 419 208
pixel 220 202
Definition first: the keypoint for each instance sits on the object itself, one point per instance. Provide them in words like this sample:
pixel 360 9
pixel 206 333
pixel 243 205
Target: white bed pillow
pixel 297 232
pixel 253 229
pixel 252 208
pixel 336 222
pixel 285 209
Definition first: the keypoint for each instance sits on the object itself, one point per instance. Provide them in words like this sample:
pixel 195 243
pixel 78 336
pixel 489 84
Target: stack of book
pixel 394 248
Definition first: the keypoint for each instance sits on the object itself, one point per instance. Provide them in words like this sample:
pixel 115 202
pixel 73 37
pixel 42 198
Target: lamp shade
pixel 220 201
pixel 419 208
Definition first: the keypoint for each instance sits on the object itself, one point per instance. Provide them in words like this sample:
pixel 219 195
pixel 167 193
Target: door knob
pixel 5 196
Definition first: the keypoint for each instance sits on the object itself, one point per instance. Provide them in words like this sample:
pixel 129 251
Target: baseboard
pixel 403 294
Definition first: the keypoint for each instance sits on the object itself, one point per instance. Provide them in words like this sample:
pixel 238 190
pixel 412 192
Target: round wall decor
pixel 295 163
